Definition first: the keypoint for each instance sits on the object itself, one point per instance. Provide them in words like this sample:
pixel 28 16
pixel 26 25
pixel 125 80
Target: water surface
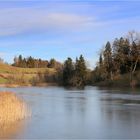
pixel 92 113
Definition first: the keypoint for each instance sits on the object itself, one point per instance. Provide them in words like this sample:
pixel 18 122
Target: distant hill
pixel 10 73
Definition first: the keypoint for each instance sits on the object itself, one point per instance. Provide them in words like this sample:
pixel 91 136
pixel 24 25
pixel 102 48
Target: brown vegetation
pixel 12 108
pixel 117 59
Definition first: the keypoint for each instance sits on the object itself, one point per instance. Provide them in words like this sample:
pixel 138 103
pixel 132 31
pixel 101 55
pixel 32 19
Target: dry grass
pixel 12 108
pixel 7 69
pixel 20 75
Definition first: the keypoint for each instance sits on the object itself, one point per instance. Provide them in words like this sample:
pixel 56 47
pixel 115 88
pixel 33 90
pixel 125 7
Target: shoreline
pixel 100 84
pixel 28 85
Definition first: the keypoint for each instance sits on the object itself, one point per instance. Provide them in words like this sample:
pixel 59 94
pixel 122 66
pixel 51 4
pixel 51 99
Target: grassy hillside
pixel 9 73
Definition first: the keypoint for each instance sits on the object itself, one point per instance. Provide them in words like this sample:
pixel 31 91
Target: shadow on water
pixel 120 90
pixel 75 88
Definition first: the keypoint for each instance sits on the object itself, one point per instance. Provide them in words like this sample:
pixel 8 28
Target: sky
pixel 64 28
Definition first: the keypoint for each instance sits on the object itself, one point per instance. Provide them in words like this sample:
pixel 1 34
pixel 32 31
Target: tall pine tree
pixel 68 71
pixel 80 71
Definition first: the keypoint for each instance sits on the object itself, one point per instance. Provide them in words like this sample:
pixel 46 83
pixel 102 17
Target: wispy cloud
pixel 15 21
pixel 19 20
pixel 72 27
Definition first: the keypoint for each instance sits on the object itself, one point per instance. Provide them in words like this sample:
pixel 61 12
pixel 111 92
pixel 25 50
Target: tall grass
pixel 12 108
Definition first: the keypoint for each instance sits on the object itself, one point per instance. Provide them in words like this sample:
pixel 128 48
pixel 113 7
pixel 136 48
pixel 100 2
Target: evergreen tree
pixel 68 71
pixel 52 63
pixel 100 60
pixel 20 61
pixel 121 54
pixel 80 71
pixel 30 62
pixel 108 60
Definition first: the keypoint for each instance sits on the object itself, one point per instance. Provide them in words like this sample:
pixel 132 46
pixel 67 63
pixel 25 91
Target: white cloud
pixel 68 20
pixel 20 20
pixel 2 54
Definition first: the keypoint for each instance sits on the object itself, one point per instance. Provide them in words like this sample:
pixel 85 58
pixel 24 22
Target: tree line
pixel 31 62
pixel 118 58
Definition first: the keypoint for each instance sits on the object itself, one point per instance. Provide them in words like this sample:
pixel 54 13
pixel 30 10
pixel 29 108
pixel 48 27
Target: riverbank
pixel 117 83
pixel 28 85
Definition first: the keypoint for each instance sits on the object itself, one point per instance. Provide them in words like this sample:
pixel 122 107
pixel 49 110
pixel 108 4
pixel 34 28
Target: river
pixel 91 113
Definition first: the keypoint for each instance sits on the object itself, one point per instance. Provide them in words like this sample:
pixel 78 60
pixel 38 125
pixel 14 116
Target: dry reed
pixel 12 108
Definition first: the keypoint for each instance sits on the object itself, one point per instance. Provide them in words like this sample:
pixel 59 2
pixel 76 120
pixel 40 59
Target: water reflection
pixel 10 131
pixel 120 115
pixel 92 113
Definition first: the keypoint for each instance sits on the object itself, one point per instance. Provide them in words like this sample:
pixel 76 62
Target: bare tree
pixel 134 41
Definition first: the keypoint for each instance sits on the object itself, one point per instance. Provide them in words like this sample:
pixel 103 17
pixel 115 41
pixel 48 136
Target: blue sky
pixel 61 28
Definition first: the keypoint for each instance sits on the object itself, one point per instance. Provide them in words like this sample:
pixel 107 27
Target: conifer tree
pixel 80 71
pixel 68 71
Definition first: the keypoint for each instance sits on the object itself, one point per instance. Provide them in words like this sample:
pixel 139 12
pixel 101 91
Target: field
pixel 10 74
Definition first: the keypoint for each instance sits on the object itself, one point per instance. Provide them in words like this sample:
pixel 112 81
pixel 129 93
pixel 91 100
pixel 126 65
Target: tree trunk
pixel 111 75
pixel 132 70
pixel 131 75
pixel 135 66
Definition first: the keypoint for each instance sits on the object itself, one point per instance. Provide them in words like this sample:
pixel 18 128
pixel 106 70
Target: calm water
pixel 79 114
